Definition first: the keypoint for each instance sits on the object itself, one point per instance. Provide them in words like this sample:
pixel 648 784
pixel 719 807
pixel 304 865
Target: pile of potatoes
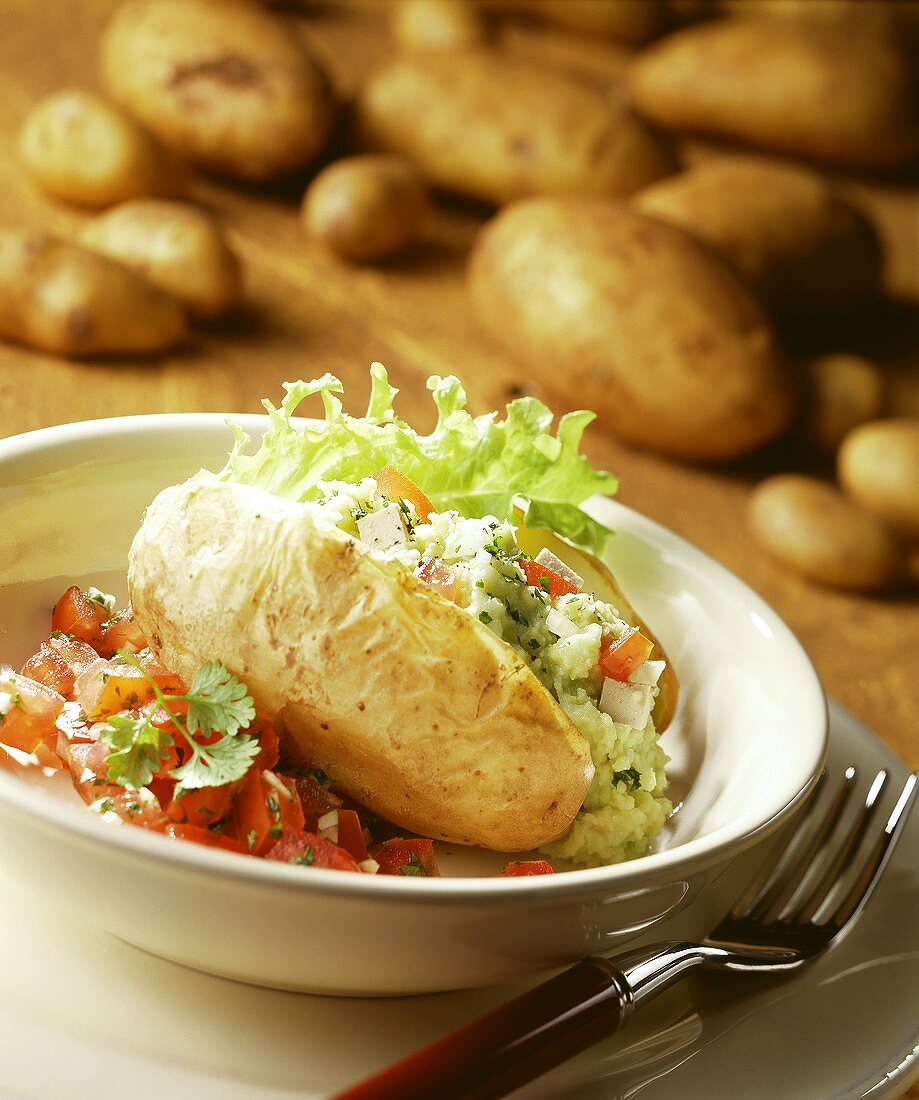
pixel 617 271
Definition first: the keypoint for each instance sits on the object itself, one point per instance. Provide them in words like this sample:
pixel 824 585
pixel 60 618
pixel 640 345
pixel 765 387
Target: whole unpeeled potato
pixel 783 226
pixel 65 299
pixel 437 24
pixel 497 128
pixel 635 319
pixel 222 81
pixel 632 21
pixel 812 528
pixel 366 207
pixel 174 245
pixel 814 90
pixel 879 467
pixel 87 151
pixel 843 391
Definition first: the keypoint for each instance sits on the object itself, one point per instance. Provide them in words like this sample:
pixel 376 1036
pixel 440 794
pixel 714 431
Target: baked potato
pixel 441 676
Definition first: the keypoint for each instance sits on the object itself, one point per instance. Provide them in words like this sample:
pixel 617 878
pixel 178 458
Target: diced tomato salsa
pixel 84 675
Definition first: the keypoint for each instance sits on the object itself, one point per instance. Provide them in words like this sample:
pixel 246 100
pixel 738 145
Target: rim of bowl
pixel 693 855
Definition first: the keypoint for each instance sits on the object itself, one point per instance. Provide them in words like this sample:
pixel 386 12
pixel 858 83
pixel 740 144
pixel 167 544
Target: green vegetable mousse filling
pixel 473 470
pixel 478 565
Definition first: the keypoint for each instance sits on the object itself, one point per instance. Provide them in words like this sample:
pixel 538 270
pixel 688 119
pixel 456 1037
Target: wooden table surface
pixel 306 313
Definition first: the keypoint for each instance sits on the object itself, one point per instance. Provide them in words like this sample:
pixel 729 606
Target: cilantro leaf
pixel 217 704
pixel 138 750
pixel 477 465
pixel 630 777
pixel 214 765
pixel 217 701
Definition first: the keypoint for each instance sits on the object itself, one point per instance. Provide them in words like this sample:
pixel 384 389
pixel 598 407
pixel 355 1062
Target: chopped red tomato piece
pixel 48 667
pixel 269 746
pixel 121 632
pixel 309 850
pixel 139 808
pixel 396 486
pixel 28 711
pixel 75 613
pixel 521 867
pixel 78 654
pixel 407 857
pixel 208 837
pixel 316 797
pixel 540 576
pixel 440 577
pixel 266 809
pixel 351 834
pixel 204 806
pixel 619 659
pixel 88 764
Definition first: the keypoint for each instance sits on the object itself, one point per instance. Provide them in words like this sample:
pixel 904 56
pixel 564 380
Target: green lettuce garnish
pixel 477 465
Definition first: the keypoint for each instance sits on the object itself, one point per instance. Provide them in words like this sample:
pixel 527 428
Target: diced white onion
pixel 328 826
pixel 647 673
pixel 105 599
pixel 627 703
pixel 368 866
pixel 384 529
pixel 550 561
pixel 6 703
pixel 273 780
pixel 560 625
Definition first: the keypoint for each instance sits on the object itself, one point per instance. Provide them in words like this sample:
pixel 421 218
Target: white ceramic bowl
pixel 747 744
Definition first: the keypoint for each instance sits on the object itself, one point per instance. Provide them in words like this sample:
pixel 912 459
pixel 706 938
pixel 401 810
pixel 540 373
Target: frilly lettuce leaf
pixel 477 465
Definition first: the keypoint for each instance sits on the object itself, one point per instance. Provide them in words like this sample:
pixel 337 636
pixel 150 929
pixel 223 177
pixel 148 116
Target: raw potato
pixel 812 528
pixel 415 707
pixel 498 128
pixel 437 25
pixel 176 246
pixel 65 299
pixel 843 392
pixel 222 81
pixel 879 467
pixel 783 226
pixel 86 151
pixel 365 208
pixel 635 319
pixel 814 90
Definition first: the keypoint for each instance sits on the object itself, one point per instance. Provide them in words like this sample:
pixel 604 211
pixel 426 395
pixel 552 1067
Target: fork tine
pixel 869 875
pixel 810 906
pixel 779 891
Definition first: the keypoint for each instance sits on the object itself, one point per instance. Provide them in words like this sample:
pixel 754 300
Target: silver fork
pixel 790 912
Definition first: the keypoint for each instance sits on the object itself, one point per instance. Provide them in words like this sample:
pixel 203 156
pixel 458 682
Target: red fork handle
pixel 511 1045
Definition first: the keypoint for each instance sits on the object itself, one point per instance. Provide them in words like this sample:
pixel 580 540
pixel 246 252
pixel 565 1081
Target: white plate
pixel 81 1013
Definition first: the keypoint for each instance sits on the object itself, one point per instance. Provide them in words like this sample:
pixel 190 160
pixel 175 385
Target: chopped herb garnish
pixel 217 703
pixel 306 858
pixel 413 867
pixel 251 838
pixel 533 643
pixel 484 617
pixel 272 803
pixel 544 583
pixel 630 777
pixel 275 831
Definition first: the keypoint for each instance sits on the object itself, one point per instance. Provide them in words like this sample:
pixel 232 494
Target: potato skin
pixel 221 81
pixel 497 128
pixel 437 25
pixel 644 324
pixel 65 299
pixel 783 226
pixel 813 529
pixel 843 391
pixel 411 705
pixel 879 467
pixel 88 152
pixel 174 245
pixel 632 21
pixel 366 207
pixel 814 90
